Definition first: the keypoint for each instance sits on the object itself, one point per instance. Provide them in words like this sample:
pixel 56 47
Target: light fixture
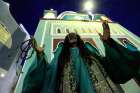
pixel 2 75
pixel 88 5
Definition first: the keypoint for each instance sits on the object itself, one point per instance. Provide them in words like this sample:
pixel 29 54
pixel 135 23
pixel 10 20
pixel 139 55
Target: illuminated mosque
pixel 52 29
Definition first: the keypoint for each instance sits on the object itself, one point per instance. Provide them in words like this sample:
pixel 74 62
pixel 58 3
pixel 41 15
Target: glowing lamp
pixel 88 5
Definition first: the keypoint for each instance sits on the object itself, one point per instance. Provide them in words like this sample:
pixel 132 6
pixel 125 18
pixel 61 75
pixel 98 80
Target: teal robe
pixel 81 74
pixel 35 76
pixel 120 63
pixel 42 77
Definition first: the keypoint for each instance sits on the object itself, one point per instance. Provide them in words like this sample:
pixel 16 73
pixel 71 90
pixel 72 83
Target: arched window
pixel 67 30
pixel 58 30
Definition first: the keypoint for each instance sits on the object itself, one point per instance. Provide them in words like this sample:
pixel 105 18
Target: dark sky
pixel 125 12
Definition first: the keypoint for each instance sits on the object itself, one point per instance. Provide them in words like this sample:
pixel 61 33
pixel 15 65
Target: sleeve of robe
pixel 120 63
pixel 115 88
pixel 50 80
pixel 41 76
pixel 94 51
pixel 34 78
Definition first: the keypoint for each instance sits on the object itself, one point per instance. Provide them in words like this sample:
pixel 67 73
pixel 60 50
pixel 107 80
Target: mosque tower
pixel 52 29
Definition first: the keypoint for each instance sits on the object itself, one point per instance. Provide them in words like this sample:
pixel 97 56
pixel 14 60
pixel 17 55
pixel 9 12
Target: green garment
pixel 120 63
pixel 77 68
pixel 78 77
pixel 35 76
pixel 81 74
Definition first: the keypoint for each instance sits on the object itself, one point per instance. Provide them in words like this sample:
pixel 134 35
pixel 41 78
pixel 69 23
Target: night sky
pixel 125 12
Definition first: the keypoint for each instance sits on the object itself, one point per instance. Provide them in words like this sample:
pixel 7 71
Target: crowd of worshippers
pixel 78 67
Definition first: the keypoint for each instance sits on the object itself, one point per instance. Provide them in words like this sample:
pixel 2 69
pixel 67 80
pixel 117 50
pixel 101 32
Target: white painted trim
pixel 63 14
pixel 43 35
pixel 51 50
